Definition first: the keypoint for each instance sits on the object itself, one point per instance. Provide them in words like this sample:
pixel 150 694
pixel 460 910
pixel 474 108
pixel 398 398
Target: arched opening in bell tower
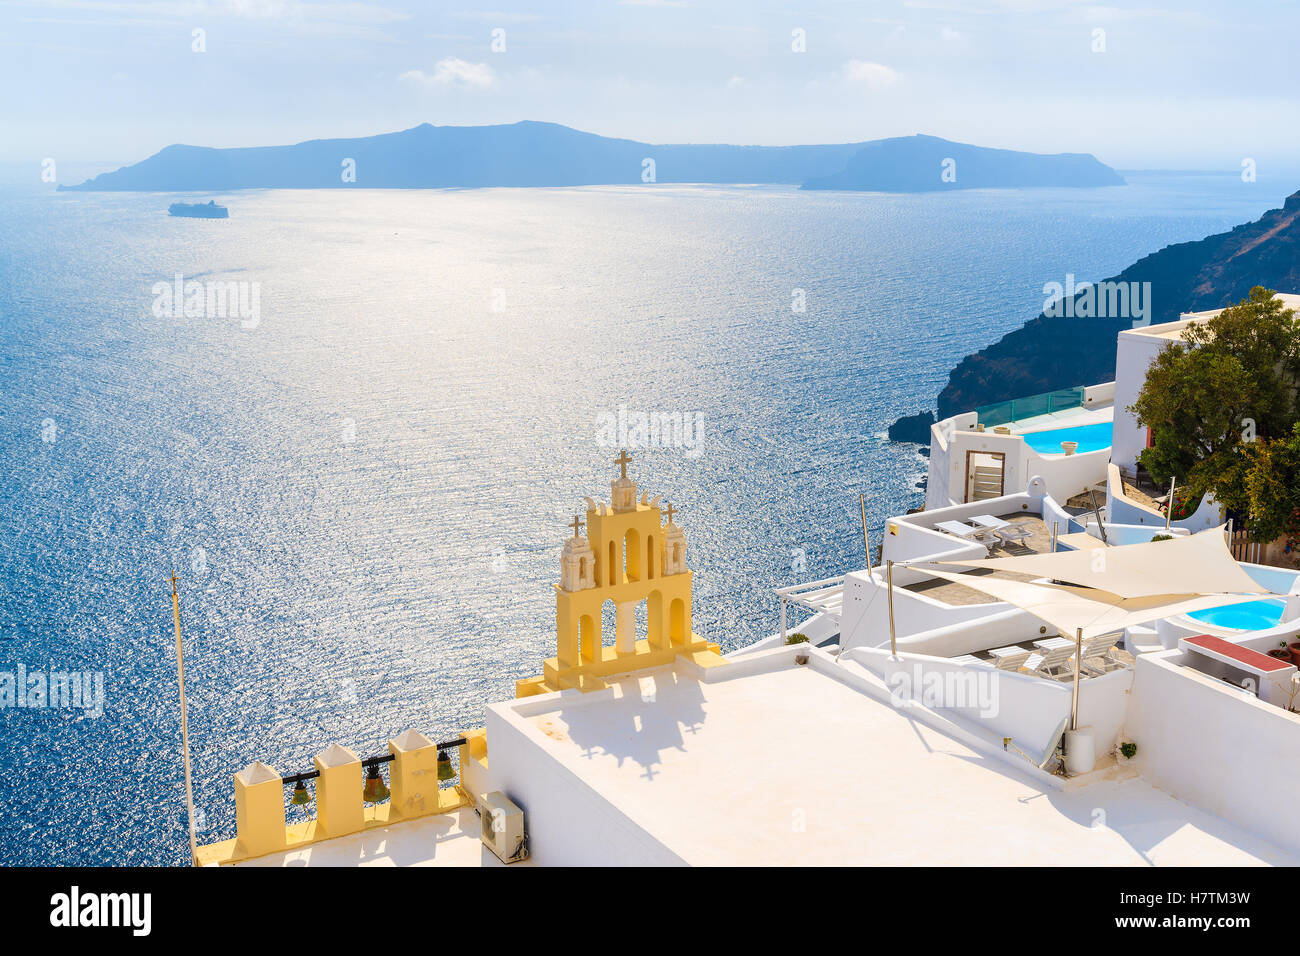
pixel 655 633
pixel 608 623
pixel 677 621
pixel 632 554
pixel 588 638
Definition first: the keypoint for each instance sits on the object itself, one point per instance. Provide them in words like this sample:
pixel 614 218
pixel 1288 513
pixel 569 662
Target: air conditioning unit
pixel 504 832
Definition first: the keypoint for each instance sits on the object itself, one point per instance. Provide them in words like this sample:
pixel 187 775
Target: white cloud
pixel 453 72
pixel 873 76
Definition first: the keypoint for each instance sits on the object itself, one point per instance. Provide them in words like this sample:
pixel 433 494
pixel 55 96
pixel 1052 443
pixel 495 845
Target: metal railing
pixel 821 597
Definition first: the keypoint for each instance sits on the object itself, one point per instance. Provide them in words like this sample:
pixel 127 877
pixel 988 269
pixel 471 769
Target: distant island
pixel 547 154
pixel 199 210
pixel 909 164
pixel 1051 351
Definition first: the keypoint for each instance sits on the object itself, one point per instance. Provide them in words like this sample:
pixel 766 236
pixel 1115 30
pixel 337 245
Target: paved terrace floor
pixel 1039 542
pixel 795 767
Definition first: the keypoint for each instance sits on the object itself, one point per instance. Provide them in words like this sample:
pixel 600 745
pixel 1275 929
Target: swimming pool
pixel 1246 616
pixel 1090 438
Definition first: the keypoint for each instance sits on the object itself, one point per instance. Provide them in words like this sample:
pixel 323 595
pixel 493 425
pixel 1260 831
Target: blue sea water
pixel 365 492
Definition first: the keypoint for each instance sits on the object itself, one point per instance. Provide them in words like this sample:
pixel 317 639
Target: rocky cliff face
pixel 1053 352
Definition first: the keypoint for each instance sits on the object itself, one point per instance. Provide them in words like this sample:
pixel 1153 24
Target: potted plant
pixel 1294 648
pixel 1069 447
pixel 1127 749
pixel 1281 652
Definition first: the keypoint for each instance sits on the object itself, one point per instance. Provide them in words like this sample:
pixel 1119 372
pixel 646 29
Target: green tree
pixel 1232 381
pixel 1273 486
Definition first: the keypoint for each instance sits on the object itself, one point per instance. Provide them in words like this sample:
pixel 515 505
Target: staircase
pixel 987 483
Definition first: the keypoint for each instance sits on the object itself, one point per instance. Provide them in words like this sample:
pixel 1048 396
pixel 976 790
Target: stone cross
pixel 622 461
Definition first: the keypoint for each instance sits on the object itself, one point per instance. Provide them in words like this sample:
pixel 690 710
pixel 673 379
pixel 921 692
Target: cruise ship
pixel 1046 665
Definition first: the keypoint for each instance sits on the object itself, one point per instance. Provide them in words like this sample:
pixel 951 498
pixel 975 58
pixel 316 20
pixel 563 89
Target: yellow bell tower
pixel 628 556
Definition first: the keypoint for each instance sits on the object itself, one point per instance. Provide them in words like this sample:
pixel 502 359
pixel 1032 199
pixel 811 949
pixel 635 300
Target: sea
pixel 360 445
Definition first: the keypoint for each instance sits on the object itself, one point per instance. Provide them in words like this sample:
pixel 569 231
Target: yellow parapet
pixel 413 775
pixel 259 810
pixel 339 807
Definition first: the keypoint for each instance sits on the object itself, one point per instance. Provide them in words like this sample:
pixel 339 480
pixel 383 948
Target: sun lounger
pixel 1013 532
pixel 1099 654
pixel 1053 663
pixel 966 659
pixel 989 523
pixel 1009 658
pixel 964 531
pixel 959 529
pixel 1051 643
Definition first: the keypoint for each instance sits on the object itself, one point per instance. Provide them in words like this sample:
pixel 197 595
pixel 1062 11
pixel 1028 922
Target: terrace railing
pixel 1017 409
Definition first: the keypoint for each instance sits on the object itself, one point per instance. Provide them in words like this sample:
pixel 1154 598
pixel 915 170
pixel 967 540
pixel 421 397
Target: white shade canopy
pixel 1189 565
pixel 1069 608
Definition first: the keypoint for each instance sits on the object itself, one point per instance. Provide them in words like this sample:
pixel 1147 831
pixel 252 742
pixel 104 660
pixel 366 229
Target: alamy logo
pixel 64 690
pixel 1098 300
pixel 74 908
pixel 633 429
pixel 208 300
pixel 951 689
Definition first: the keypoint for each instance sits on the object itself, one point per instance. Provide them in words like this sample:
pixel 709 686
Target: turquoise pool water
pixel 1090 438
pixel 1246 616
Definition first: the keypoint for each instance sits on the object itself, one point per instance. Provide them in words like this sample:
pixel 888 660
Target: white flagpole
pixel 185 731
pixel 866 538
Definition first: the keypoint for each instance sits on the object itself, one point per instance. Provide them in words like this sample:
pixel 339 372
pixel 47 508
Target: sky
pixel 1182 84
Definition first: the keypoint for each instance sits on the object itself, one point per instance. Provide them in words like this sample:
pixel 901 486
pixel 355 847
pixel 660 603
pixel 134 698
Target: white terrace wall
pixel 941 436
pixel 1123 510
pixel 864 620
pixel 952 438
pixel 1020 706
pixel 569 822
pixel 1094 395
pixel 1216 747
pixel 865 610
pixel 1067 475
pixel 1134 352
pixel 909 537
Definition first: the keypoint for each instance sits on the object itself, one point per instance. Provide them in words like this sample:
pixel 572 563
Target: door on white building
pixel 985 474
